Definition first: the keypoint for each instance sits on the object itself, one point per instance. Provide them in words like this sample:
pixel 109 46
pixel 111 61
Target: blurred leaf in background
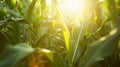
pixel 11 55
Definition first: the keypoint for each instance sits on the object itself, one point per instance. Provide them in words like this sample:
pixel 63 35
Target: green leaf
pixel 102 48
pixel 77 48
pixel 11 55
pixel 11 3
pixel 55 58
pixel 107 20
pixel 31 8
pixel 67 39
pixel 111 6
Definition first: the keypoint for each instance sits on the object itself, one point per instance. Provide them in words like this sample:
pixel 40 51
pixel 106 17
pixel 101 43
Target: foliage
pixel 17 52
pixel 40 34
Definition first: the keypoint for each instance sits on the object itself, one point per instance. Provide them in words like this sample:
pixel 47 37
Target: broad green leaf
pixel 107 20
pixel 31 8
pixel 15 14
pixel 111 6
pixel 77 48
pixel 11 3
pixel 68 46
pixel 67 39
pixel 102 48
pixel 55 58
pixel 11 55
pixel 26 3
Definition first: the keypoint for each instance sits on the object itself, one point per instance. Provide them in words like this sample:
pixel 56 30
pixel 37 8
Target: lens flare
pixel 72 6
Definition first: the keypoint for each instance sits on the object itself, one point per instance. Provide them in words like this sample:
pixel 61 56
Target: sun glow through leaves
pixel 72 6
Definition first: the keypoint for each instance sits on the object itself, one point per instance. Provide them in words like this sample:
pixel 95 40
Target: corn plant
pixel 38 33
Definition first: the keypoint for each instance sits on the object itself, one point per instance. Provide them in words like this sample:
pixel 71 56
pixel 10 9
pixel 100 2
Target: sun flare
pixel 72 6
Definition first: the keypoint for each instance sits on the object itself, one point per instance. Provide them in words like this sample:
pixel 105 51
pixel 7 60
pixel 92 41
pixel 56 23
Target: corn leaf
pixel 66 38
pixel 55 58
pixel 102 48
pixel 11 55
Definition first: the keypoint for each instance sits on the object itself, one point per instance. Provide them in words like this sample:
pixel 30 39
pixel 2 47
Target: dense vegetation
pixel 38 33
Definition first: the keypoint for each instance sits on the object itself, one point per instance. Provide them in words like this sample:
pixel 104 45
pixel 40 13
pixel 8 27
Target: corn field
pixel 59 33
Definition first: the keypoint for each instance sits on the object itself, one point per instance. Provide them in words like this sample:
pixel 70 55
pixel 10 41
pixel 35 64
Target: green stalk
pixel 65 32
pixel 80 33
pixel 61 17
pixel 31 8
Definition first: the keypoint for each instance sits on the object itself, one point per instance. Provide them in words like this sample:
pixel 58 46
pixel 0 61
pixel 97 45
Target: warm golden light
pixel 101 0
pixel 72 6
pixel 48 2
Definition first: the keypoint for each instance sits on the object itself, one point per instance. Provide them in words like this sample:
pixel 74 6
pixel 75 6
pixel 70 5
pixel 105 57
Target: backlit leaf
pixel 102 48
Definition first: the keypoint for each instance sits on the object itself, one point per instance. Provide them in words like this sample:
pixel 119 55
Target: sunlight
pixel 101 0
pixel 72 6
pixel 113 32
pixel 48 2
